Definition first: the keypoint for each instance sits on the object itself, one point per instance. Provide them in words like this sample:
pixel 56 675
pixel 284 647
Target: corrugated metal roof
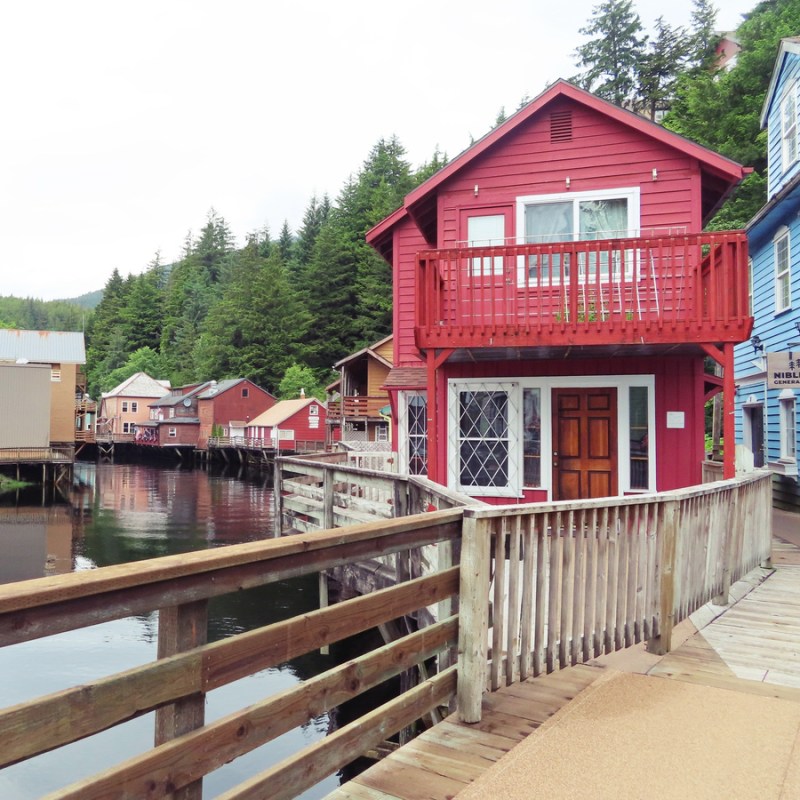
pixel 42 347
pixel 218 387
pixel 140 384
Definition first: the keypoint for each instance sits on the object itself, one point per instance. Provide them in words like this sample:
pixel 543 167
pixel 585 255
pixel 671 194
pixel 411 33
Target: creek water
pixel 125 512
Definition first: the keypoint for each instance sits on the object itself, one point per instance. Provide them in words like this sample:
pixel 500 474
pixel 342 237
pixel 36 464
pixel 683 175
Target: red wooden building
pixel 225 408
pixel 555 301
pixel 290 425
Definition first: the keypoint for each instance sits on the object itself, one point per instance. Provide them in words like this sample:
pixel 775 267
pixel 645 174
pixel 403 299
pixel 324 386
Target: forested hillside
pixel 296 302
pixel 299 301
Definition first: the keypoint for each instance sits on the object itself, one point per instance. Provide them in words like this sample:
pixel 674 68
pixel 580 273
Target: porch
pixel 659 290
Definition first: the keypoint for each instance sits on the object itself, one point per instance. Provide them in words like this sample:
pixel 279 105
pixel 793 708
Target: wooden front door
pixel 584 443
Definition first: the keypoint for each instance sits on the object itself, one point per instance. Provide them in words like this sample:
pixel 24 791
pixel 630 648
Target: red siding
pixel 230 405
pixel 678 387
pixel 185 435
pixel 407 242
pixel 300 423
pixel 603 154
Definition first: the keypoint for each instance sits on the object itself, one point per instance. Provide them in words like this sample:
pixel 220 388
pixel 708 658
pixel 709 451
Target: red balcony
pixel 358 406
pixel 655 290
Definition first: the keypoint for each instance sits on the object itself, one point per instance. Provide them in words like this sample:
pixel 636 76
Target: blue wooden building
pixel 766 417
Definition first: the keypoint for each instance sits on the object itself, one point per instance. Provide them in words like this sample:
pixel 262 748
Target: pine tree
pixel 704 37
pixel 661 67
pixel 612 56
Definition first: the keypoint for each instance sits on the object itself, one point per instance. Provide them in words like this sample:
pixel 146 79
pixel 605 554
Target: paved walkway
pixel 717 718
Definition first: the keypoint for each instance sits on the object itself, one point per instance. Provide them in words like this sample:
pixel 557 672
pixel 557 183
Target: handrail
pixel 570 580
pixel 658 287
pixel 181 586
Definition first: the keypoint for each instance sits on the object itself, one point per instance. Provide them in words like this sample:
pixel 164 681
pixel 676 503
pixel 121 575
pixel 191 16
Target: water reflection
pixel 126 512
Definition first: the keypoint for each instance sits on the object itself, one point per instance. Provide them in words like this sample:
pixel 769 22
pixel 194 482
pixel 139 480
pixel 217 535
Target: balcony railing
pixel 356 406
pixel 661 289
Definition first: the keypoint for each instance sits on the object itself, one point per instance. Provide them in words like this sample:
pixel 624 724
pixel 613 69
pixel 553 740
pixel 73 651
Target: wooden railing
pixel 571 581
pixel 38 455
pixel 343 488
pixel 248 443
pixel 661 289
pixel 357 406
pixel 575 580
pixel 187 668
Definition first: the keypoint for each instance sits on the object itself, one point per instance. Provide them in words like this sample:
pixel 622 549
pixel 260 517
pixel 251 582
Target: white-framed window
pixel 172 433
pixel 412 424
pixel 55 375
pixel 127 427
pixel 381 432
pixel 500 435
pixel 783 276
pixel 789 126
pixel 484 438
pixel 134 406
pixel 313 410
pixel 486 230
pixel 124 406
pixel 788 425
pixel 287 433
pixel 576 216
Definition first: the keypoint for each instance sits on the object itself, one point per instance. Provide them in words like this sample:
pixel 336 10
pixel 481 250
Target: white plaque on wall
pixel 675 419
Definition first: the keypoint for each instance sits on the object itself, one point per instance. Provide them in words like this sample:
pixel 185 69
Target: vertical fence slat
pixel 567 591
pixel 554 601
pixel 529 592
pixel 499 602
pixel 473 628
pixel 579 591
pixel 540 633
pixel 513 621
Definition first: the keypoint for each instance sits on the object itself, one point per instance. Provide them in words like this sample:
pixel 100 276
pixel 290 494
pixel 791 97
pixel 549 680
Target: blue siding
pixel 788 79
pixel 776 329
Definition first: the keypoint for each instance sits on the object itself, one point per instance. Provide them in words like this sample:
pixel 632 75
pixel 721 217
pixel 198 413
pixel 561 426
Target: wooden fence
pixel 546 586
pixel 187 668
pixel 539 587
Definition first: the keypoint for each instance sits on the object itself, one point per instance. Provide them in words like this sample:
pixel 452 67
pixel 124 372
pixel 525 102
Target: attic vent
pixel 561 126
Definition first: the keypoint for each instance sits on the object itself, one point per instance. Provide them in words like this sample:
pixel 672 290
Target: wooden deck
pixel 451 755
pixel 753 647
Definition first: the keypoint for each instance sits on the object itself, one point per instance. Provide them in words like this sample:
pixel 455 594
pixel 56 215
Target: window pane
pixel 487 231
pixel 417 435
pixel 548 222
pixel 532 437
pixel 484 438
pixel 639 438
pixel 603 219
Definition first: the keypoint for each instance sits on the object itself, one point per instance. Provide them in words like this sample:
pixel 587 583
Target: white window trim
pixel 782 234
pixel 403 398
pixel 172 433
pixel 478 267
pixel 631 193
pixel 285 433
pixel 789 134
pixel 134 407
pixel 622 383
pixel 313 410
pixel 787 415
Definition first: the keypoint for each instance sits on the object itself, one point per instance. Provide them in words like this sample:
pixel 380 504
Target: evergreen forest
pixel 283 308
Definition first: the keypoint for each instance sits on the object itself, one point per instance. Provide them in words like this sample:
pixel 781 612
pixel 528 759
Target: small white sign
pixel 676 419
pixel 783 370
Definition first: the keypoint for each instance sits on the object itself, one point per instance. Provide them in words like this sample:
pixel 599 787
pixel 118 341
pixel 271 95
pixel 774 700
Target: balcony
pixel 356 407
pixel 634 291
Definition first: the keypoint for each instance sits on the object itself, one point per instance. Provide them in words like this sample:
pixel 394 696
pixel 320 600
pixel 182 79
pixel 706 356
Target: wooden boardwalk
pixel 448 757
pixel 752 647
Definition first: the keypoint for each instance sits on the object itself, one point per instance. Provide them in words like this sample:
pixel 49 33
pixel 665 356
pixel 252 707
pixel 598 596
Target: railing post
pixel 667 559
pixel 327 497
pixel 277 482
pixel 182 628
pixel 473 628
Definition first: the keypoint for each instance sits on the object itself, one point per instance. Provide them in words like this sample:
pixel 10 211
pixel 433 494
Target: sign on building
pixel 783 370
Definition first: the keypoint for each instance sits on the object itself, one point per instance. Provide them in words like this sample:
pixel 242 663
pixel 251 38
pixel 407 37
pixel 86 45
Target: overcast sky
pixel 124 123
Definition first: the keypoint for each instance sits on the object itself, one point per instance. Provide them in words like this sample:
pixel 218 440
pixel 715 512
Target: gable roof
pixel 791 44
pixel 720 173
pixel 140 384
pixel 177 396
pixel 371 350
pixel 42 347
pixel 282 410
